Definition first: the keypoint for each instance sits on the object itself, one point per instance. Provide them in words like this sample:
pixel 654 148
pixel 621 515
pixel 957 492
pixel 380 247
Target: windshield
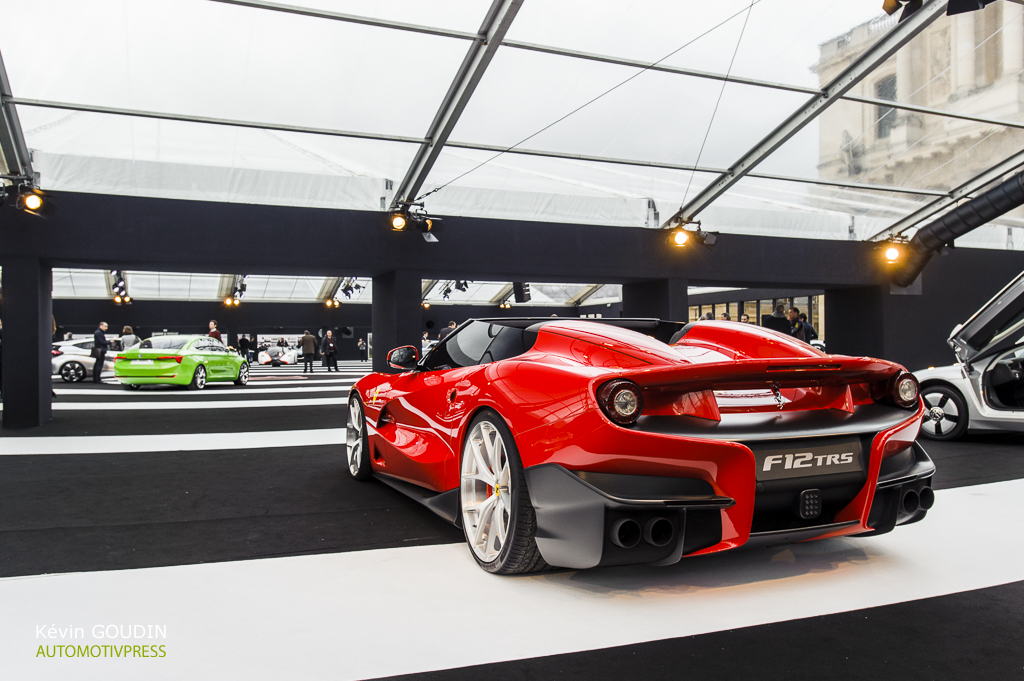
pixel 165 343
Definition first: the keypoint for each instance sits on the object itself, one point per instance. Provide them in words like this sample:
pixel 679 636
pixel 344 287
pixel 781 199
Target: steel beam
pixel 329 288
pixel 350 18
pixel 15 152
pixel 934 112
pixel 497 22
pixel 137 113
pixel 459 145
pixel 583 294
pixel 976 183
pixel 428 286
pixel 503 294
pixel 887 46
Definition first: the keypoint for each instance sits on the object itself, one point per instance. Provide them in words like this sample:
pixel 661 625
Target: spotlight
pixel 34 201
pixel 238 301
pixel 446 292
pixel 892 254
pixel 227 301
pixel 426 306
pixel 119 288
pixel 117 299
pixel 414 213
pixel 328 302
pixel 127 299
pixel 680 236
pixel 462 286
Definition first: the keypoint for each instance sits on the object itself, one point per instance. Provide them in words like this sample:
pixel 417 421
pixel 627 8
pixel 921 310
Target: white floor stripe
pixel 328 616
pixel 218 391
pixel 205 404
pixel 133 444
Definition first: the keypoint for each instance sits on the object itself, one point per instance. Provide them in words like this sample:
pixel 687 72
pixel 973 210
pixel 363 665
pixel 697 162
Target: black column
pixel 662 298
pixel 28 334
pixel 855 321
pixel 397 314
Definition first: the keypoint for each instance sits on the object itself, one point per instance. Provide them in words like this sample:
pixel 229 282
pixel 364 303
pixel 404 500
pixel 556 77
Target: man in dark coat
pixel 363 350
pixel 308 351
pixel 329 349
pixel 99 351
pixel 777 321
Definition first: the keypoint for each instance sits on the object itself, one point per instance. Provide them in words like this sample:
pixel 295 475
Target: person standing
pixel 811 333
pixel 308 351
pixel 363 350
pixel 214 333
pixel 744 318
pixel 776 321
pixel 99 351
pixel 243 347
pixel 798 329
pixel 446 330
pixel 128 338
pixel 329 349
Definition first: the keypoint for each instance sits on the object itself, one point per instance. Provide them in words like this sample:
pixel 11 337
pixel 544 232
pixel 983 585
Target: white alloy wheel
pixel 946 414
pixel 356 441
pixel 72 372
pixel 486 491
pixel 199 379
pixel 243 374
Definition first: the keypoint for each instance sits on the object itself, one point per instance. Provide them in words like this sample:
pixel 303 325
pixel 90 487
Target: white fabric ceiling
pixel 202 58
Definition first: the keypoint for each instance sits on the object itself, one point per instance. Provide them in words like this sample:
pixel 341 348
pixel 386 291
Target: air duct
pixel 957 222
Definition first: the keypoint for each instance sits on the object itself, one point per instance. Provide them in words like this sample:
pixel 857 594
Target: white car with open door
pixel 984 390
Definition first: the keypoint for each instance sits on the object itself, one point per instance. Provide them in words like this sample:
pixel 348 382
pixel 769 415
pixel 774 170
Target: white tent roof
pixel 330 110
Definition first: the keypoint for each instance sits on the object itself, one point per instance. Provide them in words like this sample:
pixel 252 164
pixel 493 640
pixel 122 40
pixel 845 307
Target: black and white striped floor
pixel 226 515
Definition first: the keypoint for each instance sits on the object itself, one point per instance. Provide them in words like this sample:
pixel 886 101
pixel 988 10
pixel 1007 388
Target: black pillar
pixel 28 334
pixel 661 298
pixel 855 321
pixel 397 314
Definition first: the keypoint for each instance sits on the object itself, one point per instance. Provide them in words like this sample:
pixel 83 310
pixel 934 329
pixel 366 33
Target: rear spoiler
pixel 760 373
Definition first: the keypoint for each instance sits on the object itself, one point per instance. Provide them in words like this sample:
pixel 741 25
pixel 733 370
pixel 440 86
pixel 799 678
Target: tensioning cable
pixel 607 92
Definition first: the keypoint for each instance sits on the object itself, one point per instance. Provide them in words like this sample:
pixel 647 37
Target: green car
pixel 180 360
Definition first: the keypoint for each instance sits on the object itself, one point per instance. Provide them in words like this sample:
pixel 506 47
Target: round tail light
pixel 621 401
pixel 905 389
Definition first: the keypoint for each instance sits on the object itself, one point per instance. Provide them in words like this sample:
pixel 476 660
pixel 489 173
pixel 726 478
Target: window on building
pixel 886 89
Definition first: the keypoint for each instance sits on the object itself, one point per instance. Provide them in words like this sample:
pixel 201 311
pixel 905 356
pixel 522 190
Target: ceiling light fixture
pixel 680 237
pixel 399 218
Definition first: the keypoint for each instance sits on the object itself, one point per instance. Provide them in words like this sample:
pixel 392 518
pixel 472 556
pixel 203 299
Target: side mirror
pixel 405 357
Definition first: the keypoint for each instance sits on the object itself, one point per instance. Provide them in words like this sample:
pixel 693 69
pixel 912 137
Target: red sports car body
pixel 578 443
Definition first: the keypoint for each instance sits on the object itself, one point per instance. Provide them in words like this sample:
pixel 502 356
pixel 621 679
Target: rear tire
pixel 198 379
pixel 243 374
pixel 955 415
pixel 498 520
pixel 72 372
pixel 131 386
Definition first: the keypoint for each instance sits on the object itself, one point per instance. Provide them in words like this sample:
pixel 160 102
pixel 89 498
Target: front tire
pixel 955 416
pixel 243 374
pixel 198 379
pixel 72 372
pixel 498 519
pixel 357 444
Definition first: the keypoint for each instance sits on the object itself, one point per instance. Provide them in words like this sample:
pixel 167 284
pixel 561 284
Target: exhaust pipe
pixel 927 498
pixel 658 531
pixel 625 532
pixel 911 501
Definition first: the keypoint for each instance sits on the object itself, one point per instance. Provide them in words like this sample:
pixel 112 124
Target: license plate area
pixel 144 362
pixel 807 458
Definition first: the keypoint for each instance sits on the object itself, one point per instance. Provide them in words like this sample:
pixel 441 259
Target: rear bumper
pixel 581 526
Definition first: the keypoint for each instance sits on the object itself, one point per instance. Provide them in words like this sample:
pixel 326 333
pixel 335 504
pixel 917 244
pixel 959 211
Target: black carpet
pixel 87 512
pixel 977 459
pixel 972 635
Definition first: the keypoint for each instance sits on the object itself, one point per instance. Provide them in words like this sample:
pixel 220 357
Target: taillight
pixel 119 357
pixel 176 358
pixel 55 353
pixel 621 401
pixel 905 389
